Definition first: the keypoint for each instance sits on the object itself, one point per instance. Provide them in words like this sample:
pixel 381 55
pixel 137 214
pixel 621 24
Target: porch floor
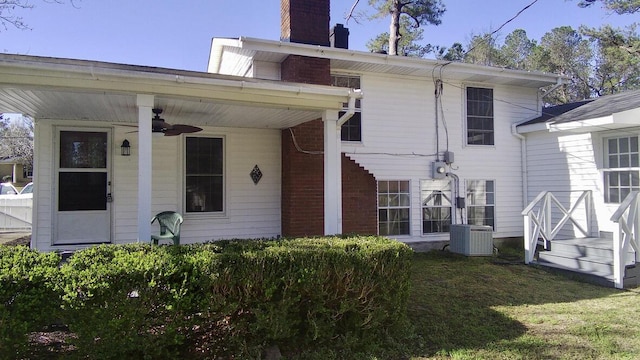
pixel 590 259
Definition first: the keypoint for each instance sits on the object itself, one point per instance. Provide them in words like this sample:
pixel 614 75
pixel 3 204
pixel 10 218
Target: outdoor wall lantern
pixel 125 148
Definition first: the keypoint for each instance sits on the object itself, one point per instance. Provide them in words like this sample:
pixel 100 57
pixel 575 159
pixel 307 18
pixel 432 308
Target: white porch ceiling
pixel 121 108
pixel 81 90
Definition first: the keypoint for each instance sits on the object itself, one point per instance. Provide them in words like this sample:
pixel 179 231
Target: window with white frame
pixel 27 171
pixel 480 129
pixel 394 205
pixel 621 168
pixel 436 206
pixel 204 177
pixel 481 202
pixel 352 129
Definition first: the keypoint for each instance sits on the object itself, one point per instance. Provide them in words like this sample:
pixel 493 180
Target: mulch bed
pixel 25 240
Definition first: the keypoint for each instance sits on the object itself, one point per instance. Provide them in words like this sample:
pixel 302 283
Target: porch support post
pixel 13 173
pixel 332 174
pixel 145 104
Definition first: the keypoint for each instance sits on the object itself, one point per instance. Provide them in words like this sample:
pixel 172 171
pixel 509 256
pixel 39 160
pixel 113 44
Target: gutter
pixel 82 74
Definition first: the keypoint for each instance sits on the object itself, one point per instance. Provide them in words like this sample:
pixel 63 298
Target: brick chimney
pixel 307 22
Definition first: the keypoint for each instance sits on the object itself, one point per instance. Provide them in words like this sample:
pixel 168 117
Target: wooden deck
pixel 590 259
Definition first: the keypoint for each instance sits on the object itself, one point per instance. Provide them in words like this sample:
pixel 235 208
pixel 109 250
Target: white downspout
pixel 351 109
pixel 523 164
pixel 559 82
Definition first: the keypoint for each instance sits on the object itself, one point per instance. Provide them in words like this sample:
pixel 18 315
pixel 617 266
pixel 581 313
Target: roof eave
pixel 30 71
pixel 453 69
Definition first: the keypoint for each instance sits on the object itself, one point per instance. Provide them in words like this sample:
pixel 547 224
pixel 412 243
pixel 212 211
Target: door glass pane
pixel 80 149
pixel 82 191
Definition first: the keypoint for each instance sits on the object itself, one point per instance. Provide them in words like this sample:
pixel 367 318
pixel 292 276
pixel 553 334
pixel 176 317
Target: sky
pixel 177 33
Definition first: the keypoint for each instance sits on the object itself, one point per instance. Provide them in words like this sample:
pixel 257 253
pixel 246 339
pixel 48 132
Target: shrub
pixel 129 301
pixel 226 298
pixel 299 292
pixel 28 296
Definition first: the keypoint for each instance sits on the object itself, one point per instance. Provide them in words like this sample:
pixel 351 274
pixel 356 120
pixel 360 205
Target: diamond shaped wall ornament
pixel 256 174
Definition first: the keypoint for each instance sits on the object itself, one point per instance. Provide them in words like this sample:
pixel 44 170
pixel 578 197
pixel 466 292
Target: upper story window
pixel 621 172
pixel 480 129
pixel 352 129
pixel 204 175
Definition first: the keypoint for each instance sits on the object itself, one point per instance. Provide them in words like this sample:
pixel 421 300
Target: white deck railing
pixel 539 219
pixel 628 219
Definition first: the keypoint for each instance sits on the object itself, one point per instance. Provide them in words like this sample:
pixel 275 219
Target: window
pixel 480 116
pixel 27 171
pixel 622 168
pixel 481 202
pixel 204 175
pixel 436 206
pixel 393 207
pixel 351 130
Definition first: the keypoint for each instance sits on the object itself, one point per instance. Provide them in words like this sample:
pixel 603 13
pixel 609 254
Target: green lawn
pixel 487 308
pixel 492 308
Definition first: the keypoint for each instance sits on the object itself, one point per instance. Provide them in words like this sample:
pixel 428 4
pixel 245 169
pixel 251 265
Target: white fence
pixel 16 212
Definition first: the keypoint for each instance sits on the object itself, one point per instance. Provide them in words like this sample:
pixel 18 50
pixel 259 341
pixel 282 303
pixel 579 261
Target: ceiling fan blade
pixel 178 129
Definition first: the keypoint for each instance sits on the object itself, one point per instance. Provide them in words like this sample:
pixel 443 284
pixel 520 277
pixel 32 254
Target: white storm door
pixel 83 211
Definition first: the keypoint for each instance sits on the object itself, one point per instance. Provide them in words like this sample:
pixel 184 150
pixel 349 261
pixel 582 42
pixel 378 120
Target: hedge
pixel 226 298
pixel 29 298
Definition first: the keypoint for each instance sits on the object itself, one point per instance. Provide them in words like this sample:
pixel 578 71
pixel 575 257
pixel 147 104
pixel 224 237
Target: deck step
pixel 592 258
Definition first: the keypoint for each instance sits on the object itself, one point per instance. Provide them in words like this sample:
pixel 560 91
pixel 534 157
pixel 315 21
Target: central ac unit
pixel 471 240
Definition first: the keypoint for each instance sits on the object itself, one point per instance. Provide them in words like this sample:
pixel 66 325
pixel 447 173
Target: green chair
pixel 169 222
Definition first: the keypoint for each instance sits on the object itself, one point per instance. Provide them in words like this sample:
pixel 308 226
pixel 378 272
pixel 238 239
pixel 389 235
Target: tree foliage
pixel 517 50
pixel 16 139
pixel 482 50
pixel 408 44
pixel 597 61
pixel 564 51
pixel 617 6
pixel 617 59
pixel 405 14
pixel 10 12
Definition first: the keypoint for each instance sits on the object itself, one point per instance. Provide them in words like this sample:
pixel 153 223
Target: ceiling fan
pixel 158 125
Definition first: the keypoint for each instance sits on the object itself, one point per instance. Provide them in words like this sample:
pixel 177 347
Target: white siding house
pixel 405 128
pixel 413 113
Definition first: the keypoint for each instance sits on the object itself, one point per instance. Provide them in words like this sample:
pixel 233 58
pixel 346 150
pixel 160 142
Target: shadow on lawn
pixel 453 298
